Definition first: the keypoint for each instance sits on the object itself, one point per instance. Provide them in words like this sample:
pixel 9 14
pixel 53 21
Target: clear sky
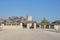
pixel 50 9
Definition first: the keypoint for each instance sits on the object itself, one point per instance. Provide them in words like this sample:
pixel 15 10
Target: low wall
pixel 20 27
pixel 10 27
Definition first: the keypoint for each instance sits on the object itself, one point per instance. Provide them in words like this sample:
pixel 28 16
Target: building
pixel 28 23
pixel 56 24
pixel 29 18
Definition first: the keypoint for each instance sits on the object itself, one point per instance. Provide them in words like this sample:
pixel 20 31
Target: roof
pixel 57 22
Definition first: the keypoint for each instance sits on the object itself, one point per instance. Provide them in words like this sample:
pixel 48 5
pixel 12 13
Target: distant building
pixel 29 18
pixel 56 24
pixel 28 23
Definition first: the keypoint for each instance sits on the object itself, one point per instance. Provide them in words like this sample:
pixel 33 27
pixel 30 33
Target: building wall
pixel 11 26
pixel 29 18
pixel 57 27
pixel 29 25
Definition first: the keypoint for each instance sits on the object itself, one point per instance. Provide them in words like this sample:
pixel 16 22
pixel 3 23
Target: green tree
pixel 45 22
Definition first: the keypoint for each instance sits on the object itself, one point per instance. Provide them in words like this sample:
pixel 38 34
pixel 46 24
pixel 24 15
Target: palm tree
pixel 45 22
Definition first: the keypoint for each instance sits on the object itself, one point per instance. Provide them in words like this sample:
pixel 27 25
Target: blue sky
pixel 50 9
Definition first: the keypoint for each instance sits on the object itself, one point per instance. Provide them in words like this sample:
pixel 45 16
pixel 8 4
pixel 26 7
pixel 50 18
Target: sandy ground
pixel 25 34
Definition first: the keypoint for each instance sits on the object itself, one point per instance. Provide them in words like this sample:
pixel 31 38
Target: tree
pixel 45 22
